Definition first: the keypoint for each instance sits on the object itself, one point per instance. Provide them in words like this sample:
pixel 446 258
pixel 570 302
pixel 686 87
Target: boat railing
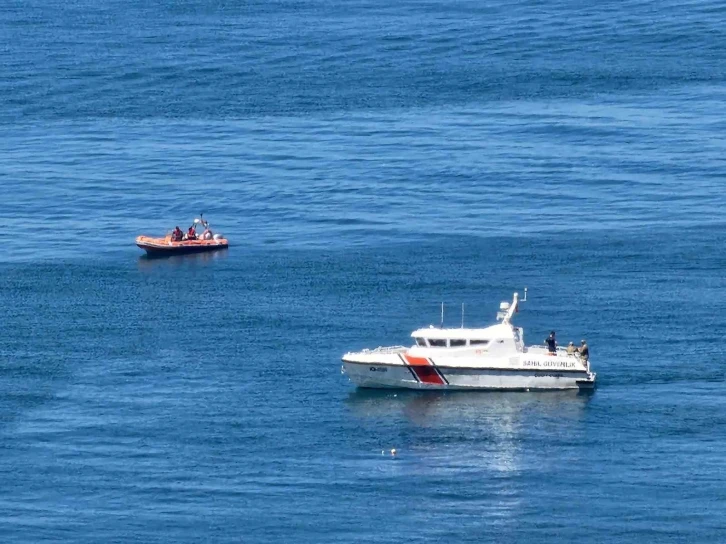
pixel 386 349
pixel 560 349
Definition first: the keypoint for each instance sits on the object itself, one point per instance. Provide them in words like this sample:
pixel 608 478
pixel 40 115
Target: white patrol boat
pixel 491 358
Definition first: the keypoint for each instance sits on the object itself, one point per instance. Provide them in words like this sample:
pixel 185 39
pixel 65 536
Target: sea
pixel 368 161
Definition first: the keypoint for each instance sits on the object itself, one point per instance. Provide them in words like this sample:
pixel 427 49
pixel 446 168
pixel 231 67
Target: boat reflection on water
pixel 152 262
pixel 433 408
pixel 454 431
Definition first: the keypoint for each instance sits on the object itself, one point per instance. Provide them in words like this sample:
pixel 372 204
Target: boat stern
pixel 588 382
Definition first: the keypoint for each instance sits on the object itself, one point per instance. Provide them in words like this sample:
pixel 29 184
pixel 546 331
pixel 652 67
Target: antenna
pixel 462 315
pixel 442 315
pixel 525 295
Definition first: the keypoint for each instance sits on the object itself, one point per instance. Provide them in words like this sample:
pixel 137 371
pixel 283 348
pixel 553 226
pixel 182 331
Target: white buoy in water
pixel 393 451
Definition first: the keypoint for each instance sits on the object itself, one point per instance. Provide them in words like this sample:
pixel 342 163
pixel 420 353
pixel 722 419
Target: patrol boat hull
pixel 490 358
pixel 401 370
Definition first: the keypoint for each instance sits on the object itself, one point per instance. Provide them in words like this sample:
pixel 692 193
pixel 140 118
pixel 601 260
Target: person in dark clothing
pixel 551 343
pixel 177 235
pixel 584 351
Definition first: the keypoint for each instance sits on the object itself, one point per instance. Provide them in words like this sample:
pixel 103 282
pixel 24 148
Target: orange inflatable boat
pixel 178 243
pixel 165 246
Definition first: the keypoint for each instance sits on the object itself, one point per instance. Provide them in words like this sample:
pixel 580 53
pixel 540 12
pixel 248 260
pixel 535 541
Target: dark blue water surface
pixel 367 160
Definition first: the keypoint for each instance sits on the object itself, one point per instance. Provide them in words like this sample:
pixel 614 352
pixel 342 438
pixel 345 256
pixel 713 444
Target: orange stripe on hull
pixel 425 371
pixel 417 361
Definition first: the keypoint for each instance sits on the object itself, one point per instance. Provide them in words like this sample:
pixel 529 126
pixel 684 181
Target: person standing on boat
pixel 571 349
pixel 551 343
pixel 584 351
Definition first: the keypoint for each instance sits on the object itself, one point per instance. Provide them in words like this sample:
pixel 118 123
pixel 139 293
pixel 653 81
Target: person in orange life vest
pixel 191 234
pixel 177 235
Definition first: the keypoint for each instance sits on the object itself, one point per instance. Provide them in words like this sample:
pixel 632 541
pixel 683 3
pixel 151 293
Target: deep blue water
pixel 367 160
